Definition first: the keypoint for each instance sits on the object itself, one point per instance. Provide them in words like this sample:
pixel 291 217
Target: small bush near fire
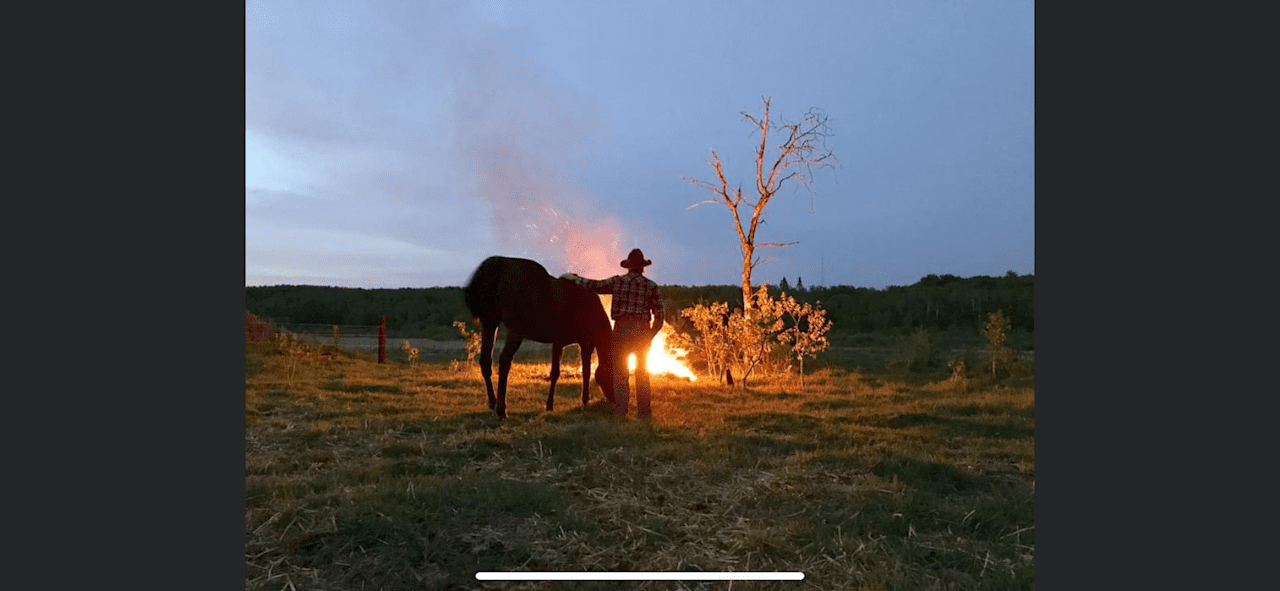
pixel 742 342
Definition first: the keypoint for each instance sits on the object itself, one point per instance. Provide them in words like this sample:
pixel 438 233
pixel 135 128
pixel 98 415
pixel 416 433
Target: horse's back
pixel 517 292
pixel 521 294
pixel 583 309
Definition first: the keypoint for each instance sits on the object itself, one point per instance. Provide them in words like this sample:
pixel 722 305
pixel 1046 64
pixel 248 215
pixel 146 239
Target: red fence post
pixel 335 335
pixel 382 339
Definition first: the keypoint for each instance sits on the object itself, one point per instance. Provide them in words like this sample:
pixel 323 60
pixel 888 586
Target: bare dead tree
pixel 802 148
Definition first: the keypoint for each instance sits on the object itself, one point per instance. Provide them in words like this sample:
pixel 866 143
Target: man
pixel 635 301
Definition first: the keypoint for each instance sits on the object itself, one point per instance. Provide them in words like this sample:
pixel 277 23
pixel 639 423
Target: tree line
pixel 410 312
pixel 945 302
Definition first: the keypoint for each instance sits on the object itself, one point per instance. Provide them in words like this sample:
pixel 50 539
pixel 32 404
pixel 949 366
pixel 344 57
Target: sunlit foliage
pixel 739 341
pixel 806 334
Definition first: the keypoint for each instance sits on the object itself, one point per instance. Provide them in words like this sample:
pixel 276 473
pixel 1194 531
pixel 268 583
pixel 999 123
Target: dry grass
pixel 361 475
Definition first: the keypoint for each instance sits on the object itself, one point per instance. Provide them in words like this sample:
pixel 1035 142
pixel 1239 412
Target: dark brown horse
pixel 520 294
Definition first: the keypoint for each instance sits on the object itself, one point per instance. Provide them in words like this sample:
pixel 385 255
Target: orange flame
pixel 663 358
pixel 591 251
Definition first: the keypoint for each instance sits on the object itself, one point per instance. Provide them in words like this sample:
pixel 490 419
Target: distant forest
pixel 935 302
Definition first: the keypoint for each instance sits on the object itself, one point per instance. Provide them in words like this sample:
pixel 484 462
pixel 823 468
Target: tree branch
pixel 803 147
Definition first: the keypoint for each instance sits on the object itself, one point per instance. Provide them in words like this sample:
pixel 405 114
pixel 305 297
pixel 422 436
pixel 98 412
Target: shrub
pixel 996 331
pixel 751 337
pixel 712 343
pixel 743 342
pixel 914 352
pixel 806 337
pixel 472 338
pixel 294 349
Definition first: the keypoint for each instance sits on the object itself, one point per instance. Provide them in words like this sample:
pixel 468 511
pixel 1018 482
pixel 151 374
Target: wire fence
pixel 335 333
pixel 365 338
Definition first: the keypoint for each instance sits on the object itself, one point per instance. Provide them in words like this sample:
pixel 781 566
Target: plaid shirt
pixel 633 294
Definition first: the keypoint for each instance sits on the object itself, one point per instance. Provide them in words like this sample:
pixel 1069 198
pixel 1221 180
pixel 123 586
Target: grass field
pixel 398 476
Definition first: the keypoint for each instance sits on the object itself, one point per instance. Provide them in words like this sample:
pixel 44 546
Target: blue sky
pixel 398 144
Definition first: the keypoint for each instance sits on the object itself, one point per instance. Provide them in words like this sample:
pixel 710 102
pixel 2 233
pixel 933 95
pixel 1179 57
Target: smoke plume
pixel 520 133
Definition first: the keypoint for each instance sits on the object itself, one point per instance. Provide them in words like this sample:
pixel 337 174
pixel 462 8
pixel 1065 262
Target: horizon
pixel 792 285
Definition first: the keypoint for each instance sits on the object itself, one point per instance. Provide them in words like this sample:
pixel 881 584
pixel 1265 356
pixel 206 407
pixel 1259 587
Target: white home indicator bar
pixel 640 576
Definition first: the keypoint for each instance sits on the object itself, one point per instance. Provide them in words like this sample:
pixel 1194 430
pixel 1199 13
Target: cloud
pixel 448 137
pixel 471 129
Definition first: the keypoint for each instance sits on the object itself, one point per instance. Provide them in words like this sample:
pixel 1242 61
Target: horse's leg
pixel 504 368
pixel 487 334
pixel 605 366
pixel 586 372
pixel 556 350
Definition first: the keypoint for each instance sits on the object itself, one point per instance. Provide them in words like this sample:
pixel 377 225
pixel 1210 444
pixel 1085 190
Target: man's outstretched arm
pixel 596 285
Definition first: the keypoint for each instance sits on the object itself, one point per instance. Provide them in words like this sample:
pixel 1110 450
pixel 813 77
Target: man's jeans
pixel 631 335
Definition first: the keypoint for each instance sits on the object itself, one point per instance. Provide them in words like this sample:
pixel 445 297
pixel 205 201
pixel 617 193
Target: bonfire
pixel 664 357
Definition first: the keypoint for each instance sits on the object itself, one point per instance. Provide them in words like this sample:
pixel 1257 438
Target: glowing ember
pixel 664 358
pixel 588 250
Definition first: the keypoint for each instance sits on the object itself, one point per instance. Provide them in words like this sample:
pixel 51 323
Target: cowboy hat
pixel 636 259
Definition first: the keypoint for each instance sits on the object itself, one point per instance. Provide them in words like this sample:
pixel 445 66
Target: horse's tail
pixel 482 291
